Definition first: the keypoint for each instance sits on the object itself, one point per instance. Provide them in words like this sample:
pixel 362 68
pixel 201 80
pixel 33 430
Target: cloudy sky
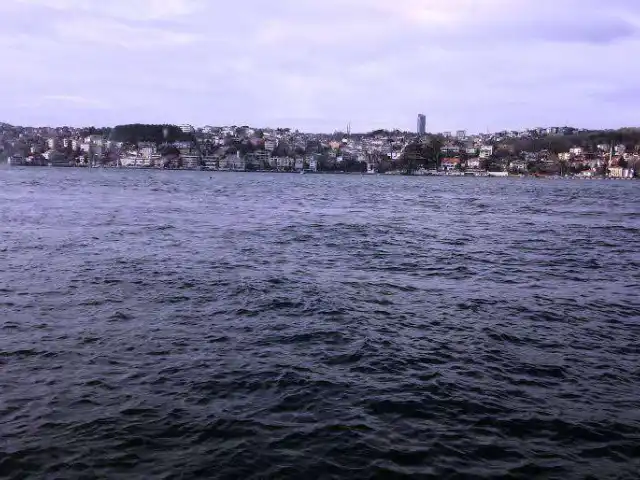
pixel 317 64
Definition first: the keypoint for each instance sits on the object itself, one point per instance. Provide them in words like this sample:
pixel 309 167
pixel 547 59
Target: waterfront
pixel 179 324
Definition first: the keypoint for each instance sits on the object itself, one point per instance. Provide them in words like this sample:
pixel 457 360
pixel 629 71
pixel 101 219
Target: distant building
pixel 475 163
pixel 258 159
pixel 284 163
pixel 575 151
pixel 186 128
pixel 619 172
pixel 422 124
pixel 94 139
pixel 518 165
pixel 461 134
pixel 450 149
pixel 486 151
pixel 450 163
pixel 270 144
pixel 191 162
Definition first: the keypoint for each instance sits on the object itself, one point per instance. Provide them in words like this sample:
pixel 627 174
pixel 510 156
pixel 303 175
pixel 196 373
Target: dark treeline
pixel 104 131
pixel 139 132
pixel 423 153
pixel 349 165
pixel 629 137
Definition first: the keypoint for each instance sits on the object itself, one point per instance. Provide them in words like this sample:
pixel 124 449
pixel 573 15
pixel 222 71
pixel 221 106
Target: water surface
pixel 184 324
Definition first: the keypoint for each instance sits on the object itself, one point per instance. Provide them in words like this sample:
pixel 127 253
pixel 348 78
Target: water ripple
pixel 179 325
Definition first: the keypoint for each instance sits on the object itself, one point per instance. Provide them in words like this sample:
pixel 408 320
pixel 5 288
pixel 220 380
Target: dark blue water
pixel 182 325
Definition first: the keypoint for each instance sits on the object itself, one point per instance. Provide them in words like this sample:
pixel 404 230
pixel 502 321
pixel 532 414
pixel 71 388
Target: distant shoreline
pixel 392 174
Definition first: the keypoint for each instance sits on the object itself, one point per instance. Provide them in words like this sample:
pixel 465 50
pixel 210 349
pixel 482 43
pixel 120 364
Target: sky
pixel 316 65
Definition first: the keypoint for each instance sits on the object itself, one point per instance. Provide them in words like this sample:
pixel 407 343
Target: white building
pixel 95 139
pixel 576 151
pixel 519 165
pixel 146 151
pixel 51 143
pixel 112 144
pixel 284 163
pixel 270 144
pixel 451 149
pixel 186 128
pixel 475 163
pixel 210 163
pixel 486 151
pixel 191 162
pixel 619 172
pixel 130 160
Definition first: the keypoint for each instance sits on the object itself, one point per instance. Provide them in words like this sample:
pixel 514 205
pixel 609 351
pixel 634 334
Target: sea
pixel 178 325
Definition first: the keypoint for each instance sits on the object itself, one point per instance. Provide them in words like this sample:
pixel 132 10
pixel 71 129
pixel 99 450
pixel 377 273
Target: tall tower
pixel 422 124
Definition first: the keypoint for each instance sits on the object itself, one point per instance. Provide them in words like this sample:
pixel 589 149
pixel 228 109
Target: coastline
pixel 363 174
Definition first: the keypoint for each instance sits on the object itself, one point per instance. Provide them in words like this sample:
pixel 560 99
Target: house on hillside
pixel 450 163
pixel 476 163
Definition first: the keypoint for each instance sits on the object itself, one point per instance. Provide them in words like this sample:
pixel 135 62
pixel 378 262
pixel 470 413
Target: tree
pixel 282 150
pixel 138 132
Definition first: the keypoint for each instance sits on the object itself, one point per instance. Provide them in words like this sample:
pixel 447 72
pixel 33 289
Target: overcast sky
pixel 317 64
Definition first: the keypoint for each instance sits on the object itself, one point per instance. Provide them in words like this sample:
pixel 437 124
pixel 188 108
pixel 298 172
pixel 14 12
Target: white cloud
pixel 75 99
pixel 128 9
pixel 117 34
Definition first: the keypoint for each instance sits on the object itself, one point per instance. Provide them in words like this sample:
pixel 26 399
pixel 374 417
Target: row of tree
pixel 629 137
pixel 421 153
pixel 139 132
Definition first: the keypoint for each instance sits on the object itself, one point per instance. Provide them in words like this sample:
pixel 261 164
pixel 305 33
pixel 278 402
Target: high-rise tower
pixel 422 124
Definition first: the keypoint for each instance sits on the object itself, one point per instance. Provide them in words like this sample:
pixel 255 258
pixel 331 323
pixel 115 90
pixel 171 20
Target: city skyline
pixel 311 66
